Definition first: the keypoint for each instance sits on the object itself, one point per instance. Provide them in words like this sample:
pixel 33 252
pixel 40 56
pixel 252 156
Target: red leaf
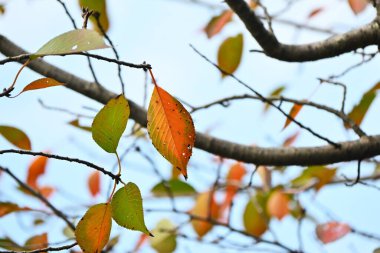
pixel 332 231
pixel 94 183
pixel 216 24
pixel 36 169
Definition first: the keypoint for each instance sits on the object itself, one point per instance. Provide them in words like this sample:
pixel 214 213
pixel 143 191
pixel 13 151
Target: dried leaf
pixel 94 183
pixel 16 137
pixel 230 53
pixel 171 129
pixel 216 24
pixel 332 231
pixel 40 84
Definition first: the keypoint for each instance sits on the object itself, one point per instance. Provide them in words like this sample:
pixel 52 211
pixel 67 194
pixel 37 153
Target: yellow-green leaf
pixel 164 240
pixel 100 7
pixel 93 230
pixel 275 93
pixel 40 84
pixel 319 175
pixel 75 123
pixel 16 137
pixel 72 42
pixel 110 123
pixel 254 219
pixel 171 129
pixel 230 53
pixel 127 208
pixel 177 188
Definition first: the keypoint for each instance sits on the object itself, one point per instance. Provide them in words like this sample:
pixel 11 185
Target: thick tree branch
pixel 334 46
pixel 363 148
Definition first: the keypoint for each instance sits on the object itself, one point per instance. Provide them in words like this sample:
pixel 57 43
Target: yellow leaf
pixel 229 54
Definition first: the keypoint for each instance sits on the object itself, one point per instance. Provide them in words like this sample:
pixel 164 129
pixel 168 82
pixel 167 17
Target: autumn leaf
pixel 275 93
pixel 164 241
pixel 110 123
pixel 75 123
pixel 93 230
pixel 37 242
pixel 278 204
pixel 127 208
pixel 100 7
pixel 233 179
pixel 201 209
pixel 94 183
pixel 266 177
pixel 176 186
pixel 332 231
pixel 46 191
pixel 35 170
pixel 40 84
pixel 315 12
pixel 317 175
pixel 71 42
pixel 291 139
pixel 253 219
pixel 9 244
pixel 293 113
pixel 8 207
pixel 357 6
pixel 216 24
pixel 171 128
pixel 229 54
pixel 16 136
pixel 140 242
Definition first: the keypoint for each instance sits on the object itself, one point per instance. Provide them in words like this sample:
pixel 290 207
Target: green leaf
pixel 110 123
pixel 177 187
pixel 254 219
pixel 8 207
pixel 318 175
pixel 359 111
pixel 100 7
pixel 127 208
pixel 275 93
pixel 164 241
pixel 93 230
pixel 8 244
pixel 74 41
pixel 229 54
pixel 16 137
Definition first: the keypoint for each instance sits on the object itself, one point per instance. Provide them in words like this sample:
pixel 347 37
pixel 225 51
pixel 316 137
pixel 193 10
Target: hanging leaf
pixel 37 242
pixel 291 139
pixel 110 123
pixel 75 123
pixel 278 204
pixel 274 94
pixel 201 209
pixel 164 240
pixel 16 137
pixel 254 220
pixel 357 6
pixel 359 111
pixel 229 54
pixel 216 24
pixel 71 42
pixel 171 129
pixel 127 208
pixel 265 176
pixel 100 7
pixel 332 231
pixel 36 169
pixel 8 244
pixel 177 188
pixel 93 230
pixel 293 113
pixel 40 84
pixel 94 183
pixel 318 175
pixel 233 180
pixel 315 12
pixel 140 242
pixel 8 207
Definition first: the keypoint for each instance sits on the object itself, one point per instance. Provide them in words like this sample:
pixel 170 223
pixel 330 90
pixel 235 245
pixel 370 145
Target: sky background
pixel 159 32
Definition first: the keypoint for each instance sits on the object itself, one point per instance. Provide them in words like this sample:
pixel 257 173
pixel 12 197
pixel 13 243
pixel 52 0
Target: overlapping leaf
pixel 16 136
pixel 110 123
pixel 127 208
pixel 230 53
pixel 93 230
pixel 171 129
pixel 234 177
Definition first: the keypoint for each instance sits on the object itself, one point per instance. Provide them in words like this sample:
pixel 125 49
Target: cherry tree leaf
pixel 201 209
pixel 74 41
pixel 358 6
pixel 230 53
pixel 35 170
pixel 127 208
pixel 177 188
pixel 9 244
pixel 40 84
pixel 216 24
pixel 317 175
pixel 37 242
pixel 275 93
pixel 278 204
pixel 75 123
pixel 94 183
pixel 100 7
pixel 293 113
pixel 16 137
pixel 332 231
pixel 291 139
pixel 254 219
pixel 8 207
pixel 233 180
pixel 265 176
pixel 164 241
pixel 315 12
pixel 110 123
pixel 140 242
pixel 171 129
pixel 93 230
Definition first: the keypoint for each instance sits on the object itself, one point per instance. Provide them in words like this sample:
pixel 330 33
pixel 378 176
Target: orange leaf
pixel 291 139
pixel 46 191
pixel 36 169
pixel 140 242
pixel 357 6
pixel 278 205
pixel 332 231
pixel 234 177
pixel 37 242
pixel 171 128
pixel 7 207
pixel 202 210
pixel 93 230
pixel 216 24
pixel 40 84
pixel 293 113
pixel 315 12
pixel 94 183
